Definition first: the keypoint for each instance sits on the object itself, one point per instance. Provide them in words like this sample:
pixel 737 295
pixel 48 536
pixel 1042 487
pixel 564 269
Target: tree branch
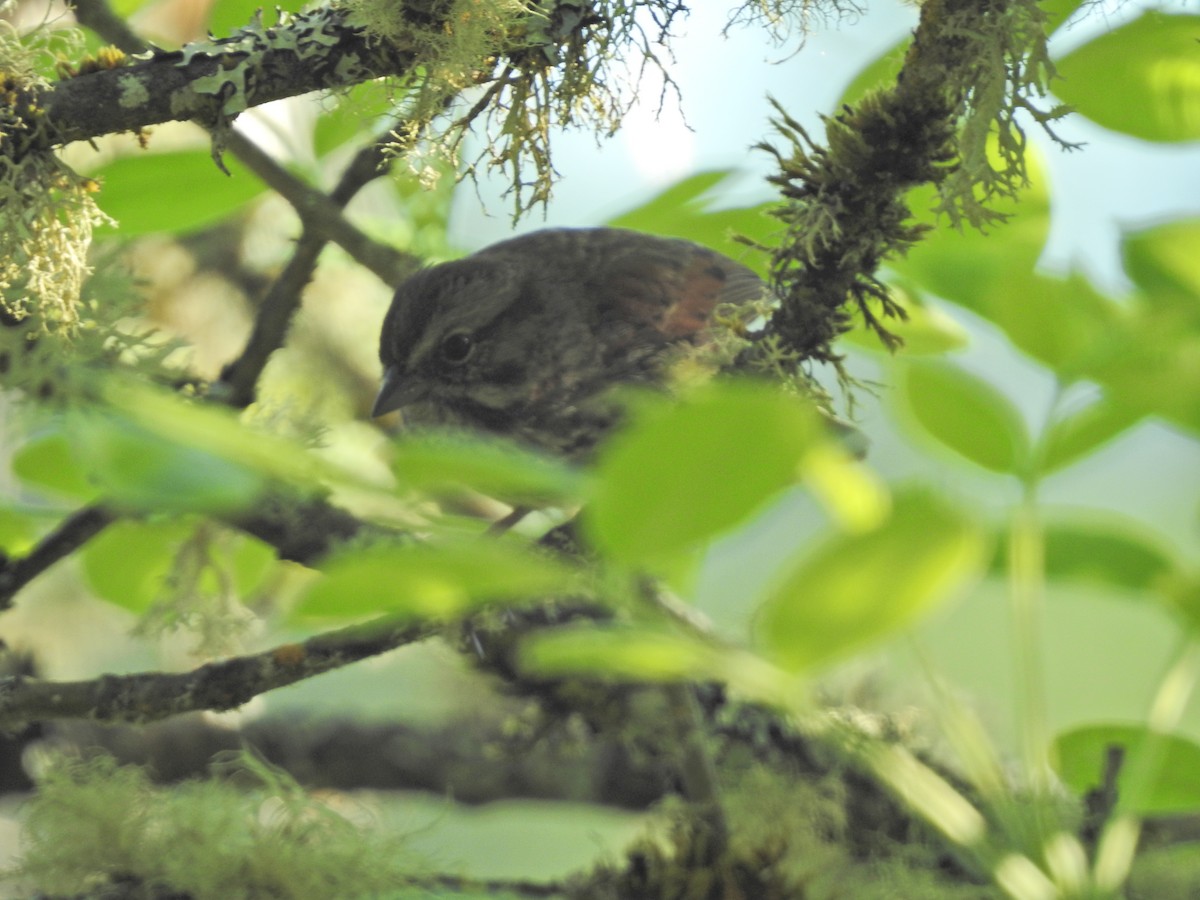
pixel 75 531
pixel 213 81
pixel 224 685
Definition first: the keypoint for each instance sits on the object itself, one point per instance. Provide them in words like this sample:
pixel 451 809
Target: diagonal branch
pixel 224 685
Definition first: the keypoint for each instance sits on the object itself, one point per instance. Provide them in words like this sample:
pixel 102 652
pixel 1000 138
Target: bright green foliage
pixel 1080 757
pixel 1142 79
pixel 435 581
pixel 444 464
pixel 130 180
pixel 967 415
pixel 688 471
pixel 858 588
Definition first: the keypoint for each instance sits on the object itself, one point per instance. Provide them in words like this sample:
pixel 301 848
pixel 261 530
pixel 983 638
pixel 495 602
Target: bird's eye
pixel 456 348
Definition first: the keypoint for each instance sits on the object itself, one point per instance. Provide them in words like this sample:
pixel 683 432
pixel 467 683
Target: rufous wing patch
pixel 697 293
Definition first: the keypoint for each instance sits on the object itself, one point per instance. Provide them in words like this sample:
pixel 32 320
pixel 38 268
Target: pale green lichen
pixel 133 93
pixel 46 209
pixel 541 65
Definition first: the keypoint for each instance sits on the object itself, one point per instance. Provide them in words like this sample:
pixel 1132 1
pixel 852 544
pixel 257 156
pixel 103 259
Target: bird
pixel 528 338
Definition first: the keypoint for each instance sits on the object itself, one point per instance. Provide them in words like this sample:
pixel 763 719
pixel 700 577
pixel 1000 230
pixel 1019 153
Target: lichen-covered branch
pixel 223 685
pixel 971 64
pixel 213 81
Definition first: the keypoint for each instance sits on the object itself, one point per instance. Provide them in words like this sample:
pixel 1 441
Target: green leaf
pixel 1081 756
pixel 682 211
pixel 128 562
pixel 18 531
pixel 49 463
pixel 1142 79
pixel 174 192
pixel 138 469
pixel 427 581
pixel 879 73
pixel 628 653
pixel 684 472
pixel 1059 12
pixel 1058 321
pixel 359 106
pixel 1115 553
pixel 1163 262
pixel 227 16
pixel 967 415
pixel 215 430
pixel 1075 436
pixel 859 588
pixel 448 462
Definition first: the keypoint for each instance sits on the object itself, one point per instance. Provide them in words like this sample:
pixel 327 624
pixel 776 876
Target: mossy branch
pixel 949 121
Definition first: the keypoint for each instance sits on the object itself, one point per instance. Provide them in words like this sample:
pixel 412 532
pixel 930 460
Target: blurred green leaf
pixel 18 531
pixel 427 581
pixel 1118 554
pixel 1080 757
pixel 174 192
pixel 128 7
pixel 859 588
pixel 1058 12
pixel 139 469
pixel 447 462
pixel 1075 436
pixel 128 562
pixel 48 462
pixel 355 111
pixel 1061 322
pixel 966 414
pixel 1142 79
pixel 685 471
pixel 217 431
pixel 881 72
pixel 629 653
pixel 682 210
pixel 1164 263
pixel 226 16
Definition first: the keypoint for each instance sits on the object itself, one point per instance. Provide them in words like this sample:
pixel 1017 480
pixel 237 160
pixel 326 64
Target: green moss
pixel 96 823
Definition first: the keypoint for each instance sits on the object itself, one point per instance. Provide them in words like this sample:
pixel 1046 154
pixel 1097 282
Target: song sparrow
pixel 527 337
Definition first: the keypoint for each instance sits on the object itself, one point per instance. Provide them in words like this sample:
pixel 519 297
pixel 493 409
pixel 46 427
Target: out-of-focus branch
pixel 75 531
pixel 224 685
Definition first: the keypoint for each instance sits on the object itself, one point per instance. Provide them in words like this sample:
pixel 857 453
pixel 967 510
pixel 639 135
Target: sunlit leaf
pixel 128 562
pixel 686 210
pixel 686 471
pixel 440 463
pixel 859 588
pixel 139 469
pixel 174 192
pixel 435 581
pixel 1163 262
pixel 48 462
pixel 227 16
pixel 1060 322
pixel 966 414
pixel 1073 437
pixel 1081 757
pixel 1142 79
pixel 1112 552
pixel 216 430
pixel 620 652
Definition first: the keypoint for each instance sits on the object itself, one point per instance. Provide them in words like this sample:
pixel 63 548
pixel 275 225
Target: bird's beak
pixel 395 392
